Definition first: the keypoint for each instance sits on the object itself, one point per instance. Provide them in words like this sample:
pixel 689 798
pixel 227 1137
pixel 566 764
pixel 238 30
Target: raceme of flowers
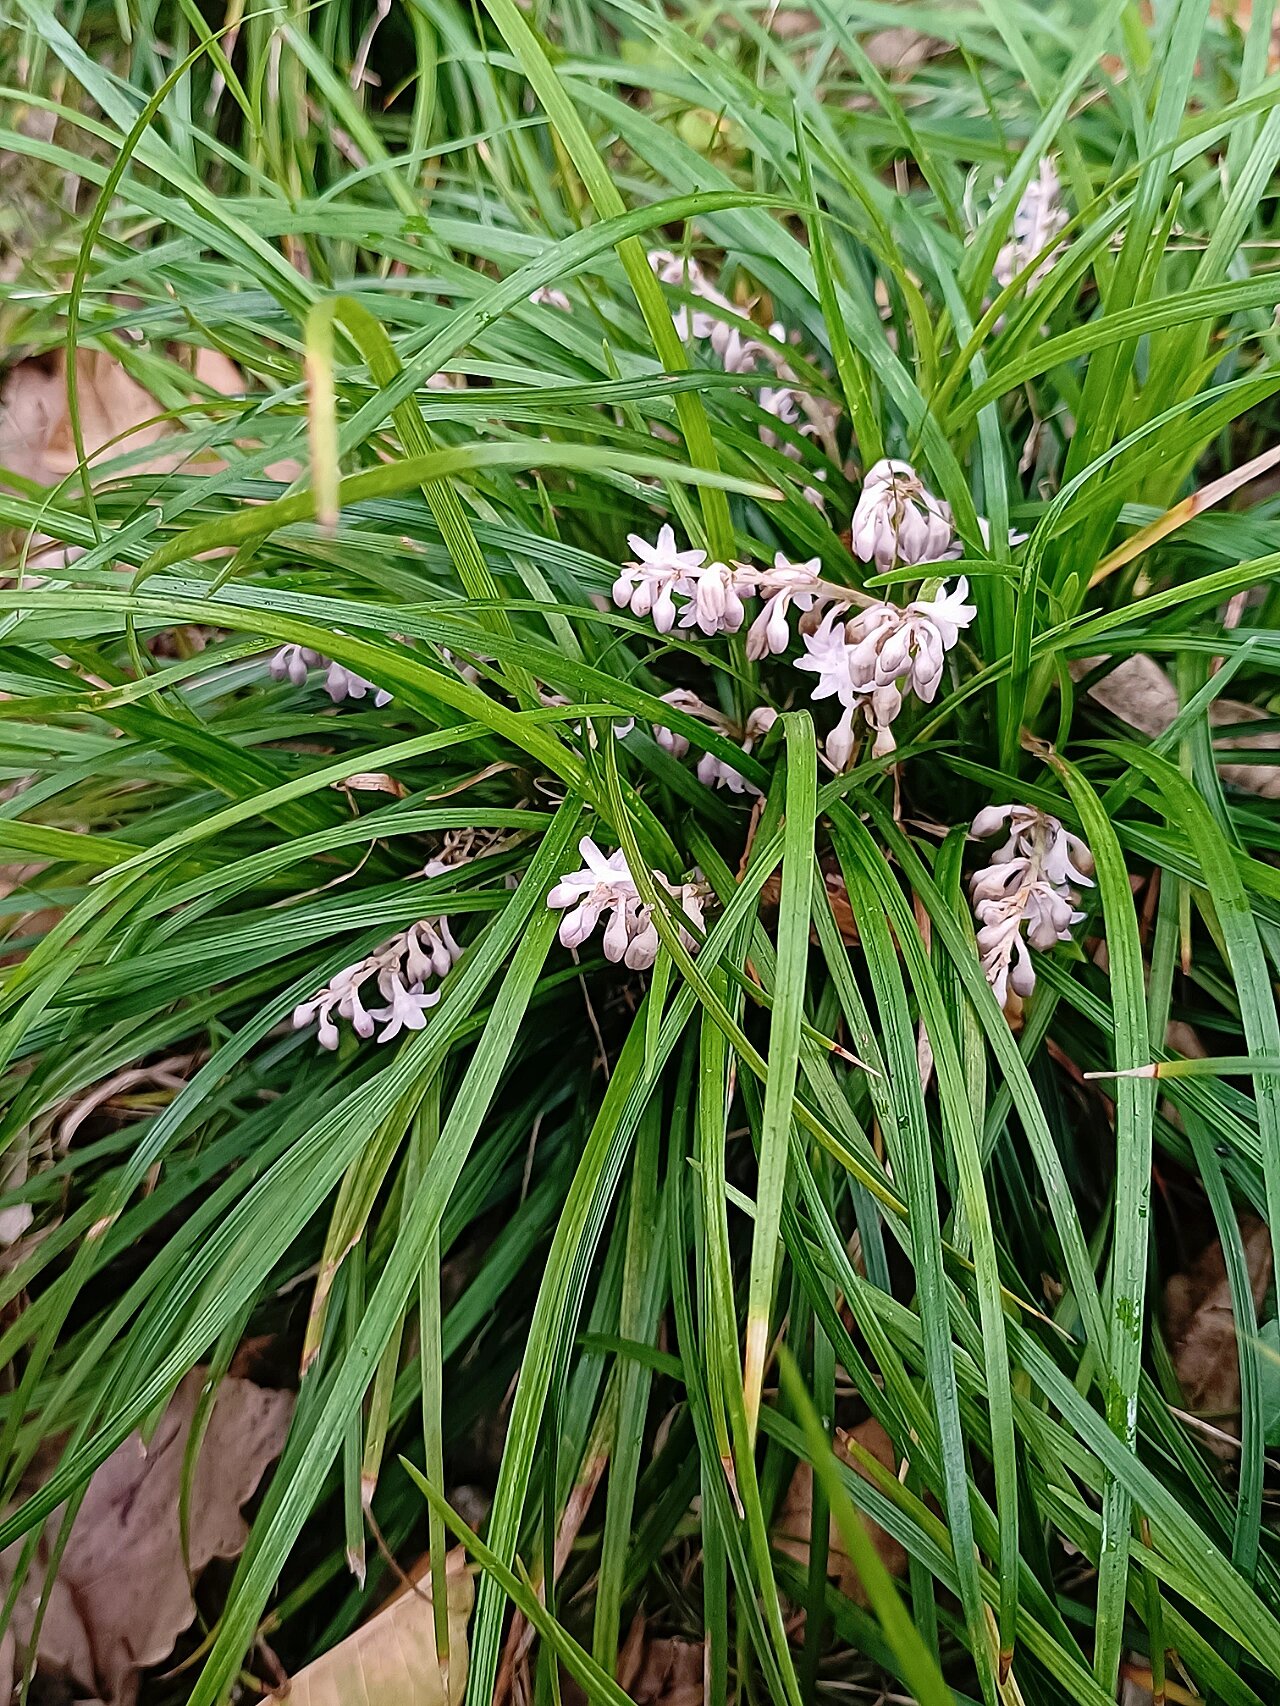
pixel 403 974
pixel 1037 219
pixel 898 521
pixel 605 889
pixel 790 403
pixel 647 586
pixel 716 772
pixel 867 659
pixel 295 663
pixel 399 974
pixel 1027 893
pixel 868 662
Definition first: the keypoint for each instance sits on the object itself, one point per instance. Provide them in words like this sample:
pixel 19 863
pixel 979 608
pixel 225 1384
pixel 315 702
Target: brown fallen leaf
pixel 653 1670
pixel 372 782
pixel 36 435
pixel 896 49
pixel 1139 692
pixel 34 394
pixel 118 416
pixel 1136 1682
pixel 837 894
pixel 391 1660
pixel 661 1670
pixel 114 411
pixel 1201 1329
pixel 794 1522
pixel 122 1595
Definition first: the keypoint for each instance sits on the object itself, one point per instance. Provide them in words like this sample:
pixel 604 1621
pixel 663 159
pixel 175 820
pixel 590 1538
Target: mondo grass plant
pixel 596 799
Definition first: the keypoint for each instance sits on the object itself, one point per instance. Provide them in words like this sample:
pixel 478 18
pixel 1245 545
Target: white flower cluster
pixel 402 969
pixel 898 521
pixel 605 888
pixel 399 971
pixel 713 771
pixel 649 586
pixel 784 586
pixel 684 272
pixel 1037 219
pixel 793 405
pixel 294 664
pixel 1033 880
pixel 869 664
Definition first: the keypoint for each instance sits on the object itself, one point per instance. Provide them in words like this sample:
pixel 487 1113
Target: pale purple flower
pixel 737 354
pixel 467 670
pixel 792 404
pixel 670 268
pixel 787 401
pixel 398 971
pixel 1035 834
pixel 811 416
pixel 984 528
pixel 784 585
pixel 343 683
pixel 1028 887
pixel 651 584
pixel 684 271
pixel 890 644
pixel 604 888
pixel 406 1009
pixel 715 772
pixel 780 402
pixel 293 663
pixel 827 657
pixel 1037 220
pixel 870 662
pixel 880 707
pixel 430 950
pixel 583 895
pixel 646 586
pixel 622 726
pixel 814 494
pixel 838 745
pixel 715 598
pixel 877 710
pixel 670 740
pixel 897 520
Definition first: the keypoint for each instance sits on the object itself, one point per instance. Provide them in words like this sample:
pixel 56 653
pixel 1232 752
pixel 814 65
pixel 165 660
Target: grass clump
pixel 636 486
